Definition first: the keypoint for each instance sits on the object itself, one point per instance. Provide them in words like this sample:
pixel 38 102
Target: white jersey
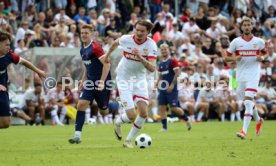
pixel 248 68
pixel 129 65
pixel 208 95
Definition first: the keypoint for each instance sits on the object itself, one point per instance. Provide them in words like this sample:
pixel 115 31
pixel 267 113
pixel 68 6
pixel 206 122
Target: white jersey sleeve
pixel 123 41
pixel 152 54
pixel 232 48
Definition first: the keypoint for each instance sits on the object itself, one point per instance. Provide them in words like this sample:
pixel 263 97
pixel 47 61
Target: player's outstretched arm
pixel 114 45
pixel 29 65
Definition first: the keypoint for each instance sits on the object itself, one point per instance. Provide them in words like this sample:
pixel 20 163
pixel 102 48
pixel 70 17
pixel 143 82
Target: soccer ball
pixel 91 121
pixel 143 141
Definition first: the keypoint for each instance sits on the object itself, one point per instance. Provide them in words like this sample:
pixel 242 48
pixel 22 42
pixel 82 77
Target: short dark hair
pixel 89 27
pixel 145 23
pixel 4 36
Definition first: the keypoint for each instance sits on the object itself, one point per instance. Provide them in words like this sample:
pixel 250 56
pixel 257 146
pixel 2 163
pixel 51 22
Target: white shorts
pixel 247 88
pixel 132 92
pixel 184 105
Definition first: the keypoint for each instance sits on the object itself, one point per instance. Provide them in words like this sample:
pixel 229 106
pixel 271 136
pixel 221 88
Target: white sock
pixel 106 121
pixel 200 115
pixel 78 133
pixel 122 119
pixel 256 115
pixel 192 117
pixel 238 115
pixel 222 117
pixel 110 120
pixel 55 119
pixel 247 114
pixel 87 114
pixel 154 111
pixel 232 117
pixel 100 118
pixel 136 127
pixel 63 114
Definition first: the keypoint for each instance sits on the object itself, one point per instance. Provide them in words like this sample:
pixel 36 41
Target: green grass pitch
pixel 207 144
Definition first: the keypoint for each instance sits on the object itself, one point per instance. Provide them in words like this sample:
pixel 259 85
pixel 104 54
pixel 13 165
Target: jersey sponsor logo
pixel 248 52
pixel 87 62
pixel 131 56
pixel 3 71
pixel 165 72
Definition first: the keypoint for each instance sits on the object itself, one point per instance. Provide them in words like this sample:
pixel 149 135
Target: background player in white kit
pixel 139 55
pixel 247 50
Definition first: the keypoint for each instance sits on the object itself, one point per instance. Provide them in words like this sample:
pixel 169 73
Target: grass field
pixel 208 144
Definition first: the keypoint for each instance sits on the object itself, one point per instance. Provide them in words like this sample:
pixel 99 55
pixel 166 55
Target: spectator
pixel 20 34
pixel 111 30
pixel 257 31
pixel 61 28
pixel 21 47
pixel 190 28
pixel 67 43
pixel 72 11
pixel 81 18
pixel 103 21
pixel 34 103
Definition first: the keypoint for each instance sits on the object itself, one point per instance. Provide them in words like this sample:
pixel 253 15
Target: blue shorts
pixel 4 104
pixel 113 106
pixel 101 97
pixel 165 98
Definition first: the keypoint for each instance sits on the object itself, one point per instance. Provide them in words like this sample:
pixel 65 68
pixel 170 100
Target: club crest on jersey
pixel 124 104
pixel 146 51
pixel 254 45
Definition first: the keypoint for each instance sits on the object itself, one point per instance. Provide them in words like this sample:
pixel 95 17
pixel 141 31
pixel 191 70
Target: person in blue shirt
pixel 6 58
pixel 95 80
pixel 167 85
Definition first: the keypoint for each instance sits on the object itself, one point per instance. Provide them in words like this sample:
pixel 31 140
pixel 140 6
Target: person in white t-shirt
pixel 248 51
pixel 139 56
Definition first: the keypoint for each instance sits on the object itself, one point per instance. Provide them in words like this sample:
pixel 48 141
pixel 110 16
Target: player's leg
pixel 128 113
pixel 84 101
pixel 162 102
pixel 221 109
pixel 41 110
pixel 175 107
pixel 250 91
pixel 5 118
pixel 62 113
pixel 202 108
pixel 142 106
pixel 141 99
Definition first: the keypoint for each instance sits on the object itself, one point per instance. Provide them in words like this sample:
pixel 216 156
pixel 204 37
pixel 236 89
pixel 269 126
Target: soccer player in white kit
pixel 139 56
pixel 249 51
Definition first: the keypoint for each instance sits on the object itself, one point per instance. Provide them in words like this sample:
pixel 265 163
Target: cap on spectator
pixel 169 15
pixel 174 24
pixel 183 55
pixel 224 37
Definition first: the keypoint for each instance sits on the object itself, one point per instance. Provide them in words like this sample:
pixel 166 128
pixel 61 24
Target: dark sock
pixel 42 122
pixel 185 117
pixel 31 122
pixel 80 120
pixel 164 123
